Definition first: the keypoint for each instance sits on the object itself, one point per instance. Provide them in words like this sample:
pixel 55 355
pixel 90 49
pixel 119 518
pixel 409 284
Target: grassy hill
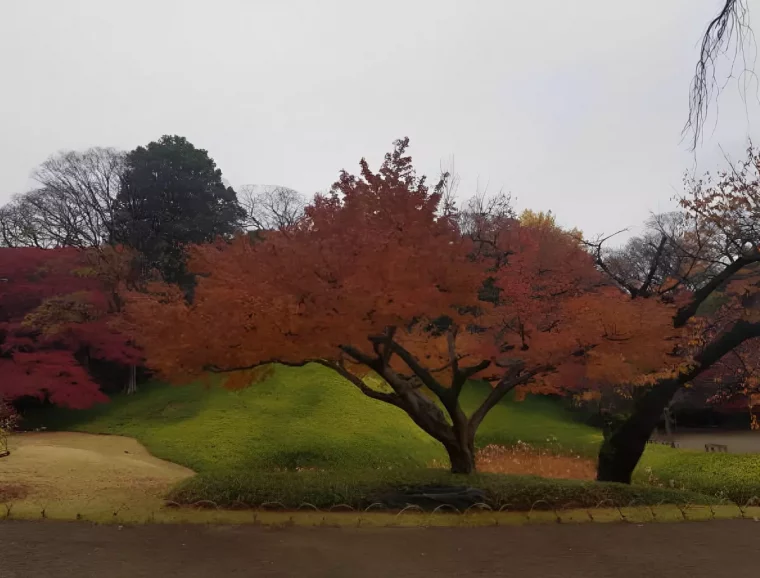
pixel 310 417
pixel 305 417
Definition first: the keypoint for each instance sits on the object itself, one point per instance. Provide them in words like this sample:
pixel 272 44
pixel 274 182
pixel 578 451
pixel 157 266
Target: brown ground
pixel 523 460
pixel 693 550
pixel 49 468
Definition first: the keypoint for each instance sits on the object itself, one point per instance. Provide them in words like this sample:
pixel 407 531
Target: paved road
pixel 693 550
pixel 738 442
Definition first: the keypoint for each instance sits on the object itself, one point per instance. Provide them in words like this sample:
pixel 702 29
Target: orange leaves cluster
pixel 376 253
pixel 370 255
pixel 634 337
pixel 557 309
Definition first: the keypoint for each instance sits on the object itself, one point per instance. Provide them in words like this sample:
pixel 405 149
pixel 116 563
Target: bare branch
pixel 516 376
pixel 271 207
pixel 731 23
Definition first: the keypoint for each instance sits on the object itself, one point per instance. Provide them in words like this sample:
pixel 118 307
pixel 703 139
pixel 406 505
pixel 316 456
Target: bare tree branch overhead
pixel 729 28
pixel 271 207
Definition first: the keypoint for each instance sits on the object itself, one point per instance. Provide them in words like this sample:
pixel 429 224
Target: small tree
pixel 8 422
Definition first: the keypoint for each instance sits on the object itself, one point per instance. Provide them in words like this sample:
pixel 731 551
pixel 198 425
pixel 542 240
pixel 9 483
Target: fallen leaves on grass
pixel 10 492
pixel 522 459
pixel 525 460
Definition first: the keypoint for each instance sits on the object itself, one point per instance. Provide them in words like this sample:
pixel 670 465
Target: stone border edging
pixel 637 515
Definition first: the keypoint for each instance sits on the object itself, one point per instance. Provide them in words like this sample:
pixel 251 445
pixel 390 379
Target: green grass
pixel 360 490
pixel 310 417
pixel 304 417
pixel 537 421
pixel 735 477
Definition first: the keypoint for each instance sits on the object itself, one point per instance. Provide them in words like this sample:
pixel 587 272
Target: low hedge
pixel 360 490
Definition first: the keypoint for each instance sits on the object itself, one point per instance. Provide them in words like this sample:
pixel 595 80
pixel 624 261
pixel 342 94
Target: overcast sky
pixel 573 106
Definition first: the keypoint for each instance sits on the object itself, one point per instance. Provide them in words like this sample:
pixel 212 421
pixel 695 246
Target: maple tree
pixel 55 312
pixel 701 263
pixel 380 285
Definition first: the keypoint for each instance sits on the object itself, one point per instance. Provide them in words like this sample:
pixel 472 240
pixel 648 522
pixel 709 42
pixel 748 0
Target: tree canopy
pixel 172 195
pixel 377 279
pixel 55 312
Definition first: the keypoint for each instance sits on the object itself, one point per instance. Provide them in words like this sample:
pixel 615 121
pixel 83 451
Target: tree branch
pixel 390 398
pixel 653 267
pixel 468 372
pixel 451 337
pixel 369 361
pixel 511 379
pixel 729 340
pixel 732 20
pixel 427 378
pixel 688 311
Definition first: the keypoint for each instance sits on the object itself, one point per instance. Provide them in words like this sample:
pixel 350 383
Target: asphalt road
pixel 693 550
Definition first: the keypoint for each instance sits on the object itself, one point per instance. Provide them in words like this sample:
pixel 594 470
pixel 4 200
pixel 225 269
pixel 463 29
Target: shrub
pixel 8 421
pixel 359 490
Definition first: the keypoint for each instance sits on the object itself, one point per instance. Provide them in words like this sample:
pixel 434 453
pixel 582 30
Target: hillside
pixel 304 417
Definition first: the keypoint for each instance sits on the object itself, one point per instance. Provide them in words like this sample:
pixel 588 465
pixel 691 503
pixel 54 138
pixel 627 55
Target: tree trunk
pixel 668 427
pixel 131 387
pixel 462 458
pixel 622 449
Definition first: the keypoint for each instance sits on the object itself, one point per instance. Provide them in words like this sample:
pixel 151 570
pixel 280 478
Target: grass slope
pixel 310 417
pixel 735 477
pixel 305 417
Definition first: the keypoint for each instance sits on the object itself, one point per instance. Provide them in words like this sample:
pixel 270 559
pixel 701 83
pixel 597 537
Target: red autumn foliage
pixel 55 314
pixel 375 280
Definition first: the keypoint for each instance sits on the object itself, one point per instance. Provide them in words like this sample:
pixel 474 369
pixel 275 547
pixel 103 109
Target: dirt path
pixel 693 550
pixel 738 442
pixel 76 468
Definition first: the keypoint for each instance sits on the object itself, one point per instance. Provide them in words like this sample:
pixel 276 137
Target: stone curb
pixel 409 518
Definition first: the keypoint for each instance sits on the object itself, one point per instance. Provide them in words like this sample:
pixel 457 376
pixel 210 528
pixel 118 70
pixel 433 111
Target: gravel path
pixel 693 550
pixel 78 468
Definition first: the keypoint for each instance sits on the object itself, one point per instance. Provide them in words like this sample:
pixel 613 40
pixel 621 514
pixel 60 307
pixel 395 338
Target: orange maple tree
pixel 376 278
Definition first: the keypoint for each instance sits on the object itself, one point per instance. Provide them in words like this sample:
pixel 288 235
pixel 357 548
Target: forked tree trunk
pixel 462 458
pixel 622 449
pixel 458 440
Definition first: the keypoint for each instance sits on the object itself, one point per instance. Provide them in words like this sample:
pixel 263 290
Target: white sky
pixel 573 106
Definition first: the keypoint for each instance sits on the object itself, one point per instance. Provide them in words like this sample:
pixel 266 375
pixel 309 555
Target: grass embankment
pixel 306 418
pixel 733 477
pixel 309 418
